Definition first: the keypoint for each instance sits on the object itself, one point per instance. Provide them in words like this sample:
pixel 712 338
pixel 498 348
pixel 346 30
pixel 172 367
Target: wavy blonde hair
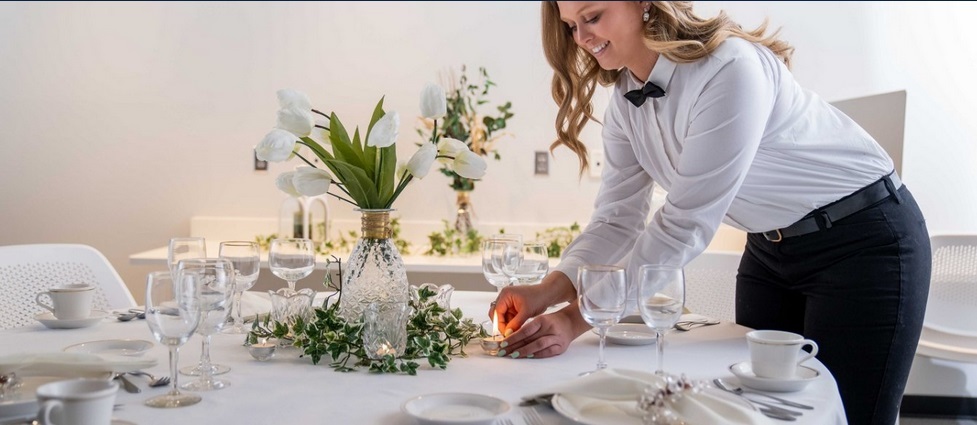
pixel 673 31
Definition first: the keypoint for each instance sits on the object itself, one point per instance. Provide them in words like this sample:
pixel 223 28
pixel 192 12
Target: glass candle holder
pixel 491 344
pixel 262 351
pixel 385 328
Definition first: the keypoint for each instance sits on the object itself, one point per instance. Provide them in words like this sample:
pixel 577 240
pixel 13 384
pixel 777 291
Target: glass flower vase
pixel 375 271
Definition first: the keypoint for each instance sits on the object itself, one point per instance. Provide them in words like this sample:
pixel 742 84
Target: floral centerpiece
pixel 365 170
pixel 465 124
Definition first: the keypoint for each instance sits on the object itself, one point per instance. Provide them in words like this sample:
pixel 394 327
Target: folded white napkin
pixel 608 392
pixel 70 364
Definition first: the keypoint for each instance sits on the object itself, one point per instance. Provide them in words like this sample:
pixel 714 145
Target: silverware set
pixel 769 409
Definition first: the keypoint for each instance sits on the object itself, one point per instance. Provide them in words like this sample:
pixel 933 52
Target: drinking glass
pixel 244 257
pixel 661 298
pixel 603 297
pixel 173 314
pixel 213 298
pixel 183 248
pixel 492 251
pixel 291 260
pixel 527 263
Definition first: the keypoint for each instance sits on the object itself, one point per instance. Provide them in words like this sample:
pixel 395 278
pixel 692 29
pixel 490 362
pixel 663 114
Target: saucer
pixel 455 408
pixel 52 322
pixel 631 334
pixel 744 371
pixel 112 347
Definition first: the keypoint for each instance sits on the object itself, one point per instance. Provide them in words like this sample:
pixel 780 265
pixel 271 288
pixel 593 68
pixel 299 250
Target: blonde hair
pixel 673 30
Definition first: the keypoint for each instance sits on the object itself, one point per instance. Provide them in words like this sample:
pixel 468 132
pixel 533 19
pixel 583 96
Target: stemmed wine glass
pixel 492 251
pixel 603 297
pixel 661 298
pixel 173 314
pixel 183 248
pixel 291 260
pixel 244 257
pixel 213 298
pixel 526 263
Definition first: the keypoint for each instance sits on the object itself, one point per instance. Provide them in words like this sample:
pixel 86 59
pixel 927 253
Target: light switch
pixel 542 163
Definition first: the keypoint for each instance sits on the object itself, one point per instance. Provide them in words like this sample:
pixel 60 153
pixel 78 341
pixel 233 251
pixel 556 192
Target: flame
pixel 495 324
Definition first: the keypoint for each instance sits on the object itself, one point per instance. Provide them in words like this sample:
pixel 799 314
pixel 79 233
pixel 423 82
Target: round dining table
pixel 289 389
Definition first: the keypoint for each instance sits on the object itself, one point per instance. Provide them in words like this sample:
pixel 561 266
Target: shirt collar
pixel 661 75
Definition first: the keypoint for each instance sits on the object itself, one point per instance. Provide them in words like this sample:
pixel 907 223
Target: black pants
pixel 858 289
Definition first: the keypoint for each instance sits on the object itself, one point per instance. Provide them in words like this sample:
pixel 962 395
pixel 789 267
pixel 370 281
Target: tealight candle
pixel 262 351
pixel 491 344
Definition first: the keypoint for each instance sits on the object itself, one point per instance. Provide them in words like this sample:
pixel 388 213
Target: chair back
pixel 710 284
pixel 26 270
pixel 952 305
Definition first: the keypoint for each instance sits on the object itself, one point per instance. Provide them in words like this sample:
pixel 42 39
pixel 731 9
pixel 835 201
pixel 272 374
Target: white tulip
pixel 284 183
pixel 469 165
pixel 420 163
pixel 297 120
pixel 277 146
pixel 384 132
pixel 450 148
pixel 433 103
pixel 311 181
pixel 289 97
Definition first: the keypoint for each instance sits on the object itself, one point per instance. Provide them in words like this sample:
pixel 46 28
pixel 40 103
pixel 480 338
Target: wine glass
pixel 213 298
pixel 291 260
pixel 661 298
pixel 492 250
pixel 173 314
pixel 603 297
pixel 183 248
pixel 526 263
pixel 244 257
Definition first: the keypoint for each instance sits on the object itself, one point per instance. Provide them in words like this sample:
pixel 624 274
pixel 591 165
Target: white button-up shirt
pixel 735 139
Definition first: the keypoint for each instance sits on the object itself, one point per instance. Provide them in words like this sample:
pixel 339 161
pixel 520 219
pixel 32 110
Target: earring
pixel 646 16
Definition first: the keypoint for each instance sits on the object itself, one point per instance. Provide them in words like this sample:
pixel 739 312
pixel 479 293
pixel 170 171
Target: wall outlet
pixel 259 165
pixel 596 163
pixel 542 163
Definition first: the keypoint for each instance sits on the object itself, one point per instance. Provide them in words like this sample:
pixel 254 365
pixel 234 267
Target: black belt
pixel 822 218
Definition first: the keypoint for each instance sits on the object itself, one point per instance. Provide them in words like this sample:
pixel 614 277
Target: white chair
pixel 950 326
pixel 26 270
pixel 710 285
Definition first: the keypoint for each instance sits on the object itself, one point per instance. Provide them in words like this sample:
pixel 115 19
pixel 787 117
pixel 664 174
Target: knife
pixel 127 384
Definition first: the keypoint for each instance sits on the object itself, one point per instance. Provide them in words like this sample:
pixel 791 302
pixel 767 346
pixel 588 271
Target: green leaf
pixel 385 175
pixel 342 147
pixel 358 184
pixel 368 162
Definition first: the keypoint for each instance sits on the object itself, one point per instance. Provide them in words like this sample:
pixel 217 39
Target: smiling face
pixel 611 32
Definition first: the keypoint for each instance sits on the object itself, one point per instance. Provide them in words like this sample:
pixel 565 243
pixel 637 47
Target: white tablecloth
pixel 290 389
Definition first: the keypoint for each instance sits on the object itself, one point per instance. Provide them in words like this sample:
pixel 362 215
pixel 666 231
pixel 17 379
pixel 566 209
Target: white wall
pixel 118 122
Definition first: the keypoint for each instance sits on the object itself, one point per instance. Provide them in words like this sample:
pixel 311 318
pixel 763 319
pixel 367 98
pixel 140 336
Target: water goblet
pixel 213 298
pixel 173 314
pixel 244 257
pixel 661 298
pixel 603 298
pixel 527 263
pixel 492 252
pixel 291 260
pixel 183 248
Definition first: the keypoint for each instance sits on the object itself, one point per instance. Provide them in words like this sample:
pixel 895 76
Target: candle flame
pixel 495 324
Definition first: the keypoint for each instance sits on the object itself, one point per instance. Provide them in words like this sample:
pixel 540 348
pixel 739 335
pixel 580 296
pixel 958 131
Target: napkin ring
pixel 657 400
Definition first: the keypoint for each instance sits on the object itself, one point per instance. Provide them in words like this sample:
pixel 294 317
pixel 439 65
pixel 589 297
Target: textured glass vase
pixel 375 271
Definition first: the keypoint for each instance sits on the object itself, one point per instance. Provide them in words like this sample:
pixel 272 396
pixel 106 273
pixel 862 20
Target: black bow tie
pixel 638 97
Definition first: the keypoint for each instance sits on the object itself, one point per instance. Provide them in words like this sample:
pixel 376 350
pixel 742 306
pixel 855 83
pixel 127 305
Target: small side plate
pixel 631 334
pixel 455 409
pixel 744 372
pixel 48 319
pixel 112 347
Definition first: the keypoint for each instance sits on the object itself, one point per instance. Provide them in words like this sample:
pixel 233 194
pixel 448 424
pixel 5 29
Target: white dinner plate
pixel 585 410
pixel 455 409
pixel 631 334
pixel 52 322
pixel 112 347
pixel 744 371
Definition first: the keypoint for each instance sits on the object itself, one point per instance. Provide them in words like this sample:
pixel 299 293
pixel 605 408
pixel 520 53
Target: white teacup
pixel 76 402
pixel 69 302
pixel 776 354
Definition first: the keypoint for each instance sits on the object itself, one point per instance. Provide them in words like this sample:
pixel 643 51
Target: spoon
pixel 690 324
pixel 726 386
pixel 125 317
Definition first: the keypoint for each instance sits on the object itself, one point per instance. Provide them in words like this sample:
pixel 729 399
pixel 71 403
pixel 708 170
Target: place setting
pixel 70 307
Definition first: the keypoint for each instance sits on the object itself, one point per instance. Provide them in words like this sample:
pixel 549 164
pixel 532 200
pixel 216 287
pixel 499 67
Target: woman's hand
pixel 547 335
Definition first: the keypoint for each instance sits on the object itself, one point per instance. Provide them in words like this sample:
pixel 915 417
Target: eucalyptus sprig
pixel 433 333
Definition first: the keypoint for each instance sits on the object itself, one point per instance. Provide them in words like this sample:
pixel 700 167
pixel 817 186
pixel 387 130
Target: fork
pixel 531 417
pixel 153 380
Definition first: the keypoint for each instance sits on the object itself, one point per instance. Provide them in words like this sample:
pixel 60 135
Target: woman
pixel 837 248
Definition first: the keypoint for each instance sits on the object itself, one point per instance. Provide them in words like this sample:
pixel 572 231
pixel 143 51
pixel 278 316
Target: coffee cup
pixel 776 354
pixel 69 302
pixel 76 402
